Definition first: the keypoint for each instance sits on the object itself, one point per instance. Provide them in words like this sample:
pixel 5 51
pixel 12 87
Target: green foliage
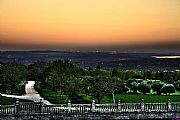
pixel 177 85
pixel 98 67
pixel 132 98
pixel 11 75
pixel 86 83
pixel 138 75
pixel 128 74
pixel 58 73
pixel 159 75
pixel 148 75
pixel 20 88
pixel 35 70
pixel 178 75
pixel 7 100
pixel 63 80
pixel 128 82
pixel 54 97
pixel 139 80
pixel 156 86
pixel 117 85
pixel 98 87
pixel 114 72
pixel 149 82
pixel 37 86
pixel 73 87
pixel 144 88
pixel 121 89
pixel 134 86
pixel 168 88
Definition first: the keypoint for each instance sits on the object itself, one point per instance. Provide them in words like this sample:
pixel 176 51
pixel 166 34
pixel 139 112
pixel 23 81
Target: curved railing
pixel 28 108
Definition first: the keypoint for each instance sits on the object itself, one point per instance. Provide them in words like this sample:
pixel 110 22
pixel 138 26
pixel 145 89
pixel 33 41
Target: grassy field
pixel 131 98
pixel 56 98
pixel 128 98
pixel 176 93
pixel 53 97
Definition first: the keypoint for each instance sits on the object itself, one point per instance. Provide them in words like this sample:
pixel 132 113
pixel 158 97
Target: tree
pixel 144 88
pixel 12 75
pixel 114 72
pixel 98 67
pixel 37 86
pixel 58 73
pixel 114 85
pixel 138 75
pixel 73 86
pixel 128 82
pixel 148 75
pixel 35 70
pixel 86 83
pixel 177 75
pixel 128 74
pixel 156 86
pixel 122 88
pixel 98 87
pixel 168 88
pixel 177 85
pixel 134 87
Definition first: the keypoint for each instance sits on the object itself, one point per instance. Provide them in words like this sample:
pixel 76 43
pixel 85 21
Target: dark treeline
pixel 71 81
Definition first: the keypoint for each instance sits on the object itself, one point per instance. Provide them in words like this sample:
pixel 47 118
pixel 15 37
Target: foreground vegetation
pixel 7 100
pixel 62 80
pixel 131 98
pixel 56 98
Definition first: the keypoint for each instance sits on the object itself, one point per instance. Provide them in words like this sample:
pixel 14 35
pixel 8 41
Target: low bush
pixel 144 88
pixel 168 88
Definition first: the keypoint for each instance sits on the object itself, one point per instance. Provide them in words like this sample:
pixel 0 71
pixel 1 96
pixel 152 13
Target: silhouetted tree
pixel 35 70
pixel 11 77
pixel 114 72
pixel 156 86
pixel 134 87
pixel 144 88
pixel 168 88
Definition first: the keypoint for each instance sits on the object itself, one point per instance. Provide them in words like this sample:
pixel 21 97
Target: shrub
pixel 177 85
pixel 168 88
pixel 133 86
pixel 37 86
pixel 20 88
pixel 156 86
pixel 139 80
pixel 122 89
pixel 114 72
pixel 128 83
pixel 149 82
pixel 144 88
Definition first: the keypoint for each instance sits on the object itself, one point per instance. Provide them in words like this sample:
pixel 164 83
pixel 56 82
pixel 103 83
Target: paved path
pixel 31 94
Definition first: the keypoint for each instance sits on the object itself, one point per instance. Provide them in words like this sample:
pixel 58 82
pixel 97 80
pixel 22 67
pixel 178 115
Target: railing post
pixel 17 108
pixel 41 105
pixel 119 105
pixel 0 111
pixel 169 105
pixel 93 106
pixel 142 105
pixel 69 106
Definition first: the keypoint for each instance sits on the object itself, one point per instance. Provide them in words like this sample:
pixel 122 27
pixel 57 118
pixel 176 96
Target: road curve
pixel 31 94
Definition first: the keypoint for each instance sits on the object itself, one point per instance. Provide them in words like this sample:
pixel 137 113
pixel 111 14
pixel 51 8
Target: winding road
pixel 31 94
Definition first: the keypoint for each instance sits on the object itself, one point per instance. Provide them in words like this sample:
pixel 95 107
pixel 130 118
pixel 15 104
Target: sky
pixel 89 25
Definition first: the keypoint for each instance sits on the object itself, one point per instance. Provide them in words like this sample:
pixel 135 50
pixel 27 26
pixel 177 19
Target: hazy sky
pixel 88 24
